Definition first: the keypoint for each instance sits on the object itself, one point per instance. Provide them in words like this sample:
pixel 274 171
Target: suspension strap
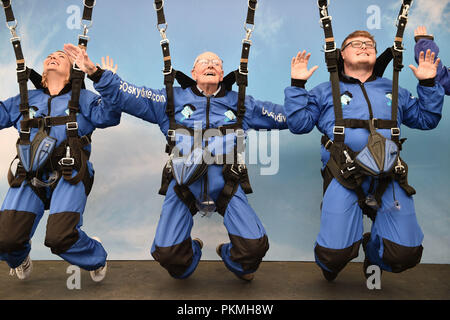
pixel 397 52
pixel 22 71
pixel 74 145
pixel 168 72
pixel 332 58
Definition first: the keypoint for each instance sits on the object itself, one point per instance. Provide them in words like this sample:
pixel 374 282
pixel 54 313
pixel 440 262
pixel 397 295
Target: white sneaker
pixel 24 270
pixel 99 274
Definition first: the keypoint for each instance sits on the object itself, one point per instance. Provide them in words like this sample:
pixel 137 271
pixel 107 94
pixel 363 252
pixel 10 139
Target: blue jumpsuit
pixel 396 237
pixel 173 246
pixel 22 209
pixel 443 73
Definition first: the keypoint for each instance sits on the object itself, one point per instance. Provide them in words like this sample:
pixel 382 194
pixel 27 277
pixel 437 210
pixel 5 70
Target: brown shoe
pixel 246 277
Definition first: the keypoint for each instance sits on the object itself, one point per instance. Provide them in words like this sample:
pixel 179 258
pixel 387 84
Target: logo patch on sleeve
pixel 230 116
pixel 389 98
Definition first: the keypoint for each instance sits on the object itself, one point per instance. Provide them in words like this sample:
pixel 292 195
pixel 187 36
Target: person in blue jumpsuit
pixel 425 41
pixel 395 240
pixel 206 105
pixel 24 205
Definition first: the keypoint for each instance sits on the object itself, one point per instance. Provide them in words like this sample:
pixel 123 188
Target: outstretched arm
pixel 302 108
pixel 147 104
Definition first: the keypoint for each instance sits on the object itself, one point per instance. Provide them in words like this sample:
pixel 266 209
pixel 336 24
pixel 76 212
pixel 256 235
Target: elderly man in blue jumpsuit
pixel 425 41
pixel 65 179
pixel 395 240
pixel 206 105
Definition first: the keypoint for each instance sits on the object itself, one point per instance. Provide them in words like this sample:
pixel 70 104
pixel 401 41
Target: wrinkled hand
pixel 299 66
pixel 80 57
pixel 108 65
pixel 427 66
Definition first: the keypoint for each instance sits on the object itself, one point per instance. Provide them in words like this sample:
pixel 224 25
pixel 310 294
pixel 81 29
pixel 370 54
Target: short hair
pixel 359 33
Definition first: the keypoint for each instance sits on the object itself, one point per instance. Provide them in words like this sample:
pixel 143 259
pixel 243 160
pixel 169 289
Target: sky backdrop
pixel 123 208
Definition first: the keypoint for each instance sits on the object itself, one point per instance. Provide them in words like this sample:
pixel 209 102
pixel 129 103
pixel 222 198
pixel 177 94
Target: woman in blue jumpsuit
pixel 23 208
pixel 207 105
pixel 395 242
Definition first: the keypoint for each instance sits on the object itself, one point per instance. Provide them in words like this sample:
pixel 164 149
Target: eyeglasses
pixel 358 44
pixel 206 62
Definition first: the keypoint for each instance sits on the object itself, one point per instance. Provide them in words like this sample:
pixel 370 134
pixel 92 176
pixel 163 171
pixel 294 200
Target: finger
pixel 432 57
pixel 307 57
pixel 103 62
pixel 111 61
pixel 413 68
pixel 421 56
pixel 115 69
pixel 436 63
pixel 427 55
pixel 298 57
pixel 107 61
pixel 313 69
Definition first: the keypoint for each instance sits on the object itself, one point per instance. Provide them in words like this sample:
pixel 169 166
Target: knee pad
pixel 399 257
pixel 62 231
pixel 15 230
pixel 336 259
pixel 175 259
pixel 248 252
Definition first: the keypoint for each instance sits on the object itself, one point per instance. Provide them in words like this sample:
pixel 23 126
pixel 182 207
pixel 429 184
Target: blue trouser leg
pixel 341 228
pixel 64 235
pixel 396 237
pixel 172 246
pixel 248 240
pixel 20 214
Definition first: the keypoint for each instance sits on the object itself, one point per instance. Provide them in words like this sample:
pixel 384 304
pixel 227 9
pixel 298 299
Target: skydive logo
pixel 277 117
pixel 144 93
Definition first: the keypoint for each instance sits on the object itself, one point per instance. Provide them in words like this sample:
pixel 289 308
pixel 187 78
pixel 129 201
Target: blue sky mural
pixel 123 208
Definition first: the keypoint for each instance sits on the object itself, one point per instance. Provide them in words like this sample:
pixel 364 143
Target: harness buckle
pixel 238 171
pixel 395 132
pixel 167 72
pixel 338 130
pixel 171 134
pixel 399 168
pixel 328 144
pixel 71 126
pixel 67 160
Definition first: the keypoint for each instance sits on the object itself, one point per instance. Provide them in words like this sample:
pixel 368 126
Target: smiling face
pixel 354 56
pixel 57 62
pixel 207 69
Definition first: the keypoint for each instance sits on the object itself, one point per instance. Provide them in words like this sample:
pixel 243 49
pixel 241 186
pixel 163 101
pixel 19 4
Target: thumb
pixel 413 68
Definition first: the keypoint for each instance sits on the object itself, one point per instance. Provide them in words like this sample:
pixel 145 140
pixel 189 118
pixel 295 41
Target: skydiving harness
pixel 234 174
pixel 380 159
pixel 40 156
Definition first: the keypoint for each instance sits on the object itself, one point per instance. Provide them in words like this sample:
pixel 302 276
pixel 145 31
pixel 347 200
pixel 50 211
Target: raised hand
pixel 108 65
pixel 299 66
pixel 80 57
pixel 420 31
pixel 427 66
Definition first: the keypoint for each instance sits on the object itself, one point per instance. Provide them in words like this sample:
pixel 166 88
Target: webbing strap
pixel 332 58
pixel 22 71
pixel 397 52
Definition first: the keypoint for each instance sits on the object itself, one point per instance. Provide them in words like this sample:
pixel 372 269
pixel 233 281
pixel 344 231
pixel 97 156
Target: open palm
pixel 299 66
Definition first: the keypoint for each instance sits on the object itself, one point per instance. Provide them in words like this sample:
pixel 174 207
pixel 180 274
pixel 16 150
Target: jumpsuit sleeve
pixel 101 115
pixel 443 74
pixel 144 103
pixel 9 112
pixel 302 109
pixel 264 114
pixel 423 112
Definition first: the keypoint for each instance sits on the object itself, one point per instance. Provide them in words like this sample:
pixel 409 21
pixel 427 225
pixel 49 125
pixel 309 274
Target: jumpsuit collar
pixel 64 90
pixel 219 93
pixel 345 78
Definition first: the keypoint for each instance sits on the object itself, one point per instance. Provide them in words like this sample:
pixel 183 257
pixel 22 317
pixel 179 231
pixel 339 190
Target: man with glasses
pixel 395 241
pixel 205 105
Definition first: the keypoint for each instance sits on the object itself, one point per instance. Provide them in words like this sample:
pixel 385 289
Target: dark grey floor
pixel 212 281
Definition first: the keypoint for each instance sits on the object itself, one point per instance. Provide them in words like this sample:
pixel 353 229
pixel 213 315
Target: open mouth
pixel 210 74
pixel 363 54
pixel 53 63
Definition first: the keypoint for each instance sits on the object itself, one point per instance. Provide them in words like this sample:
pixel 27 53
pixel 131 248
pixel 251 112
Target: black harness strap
pixel 22 71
